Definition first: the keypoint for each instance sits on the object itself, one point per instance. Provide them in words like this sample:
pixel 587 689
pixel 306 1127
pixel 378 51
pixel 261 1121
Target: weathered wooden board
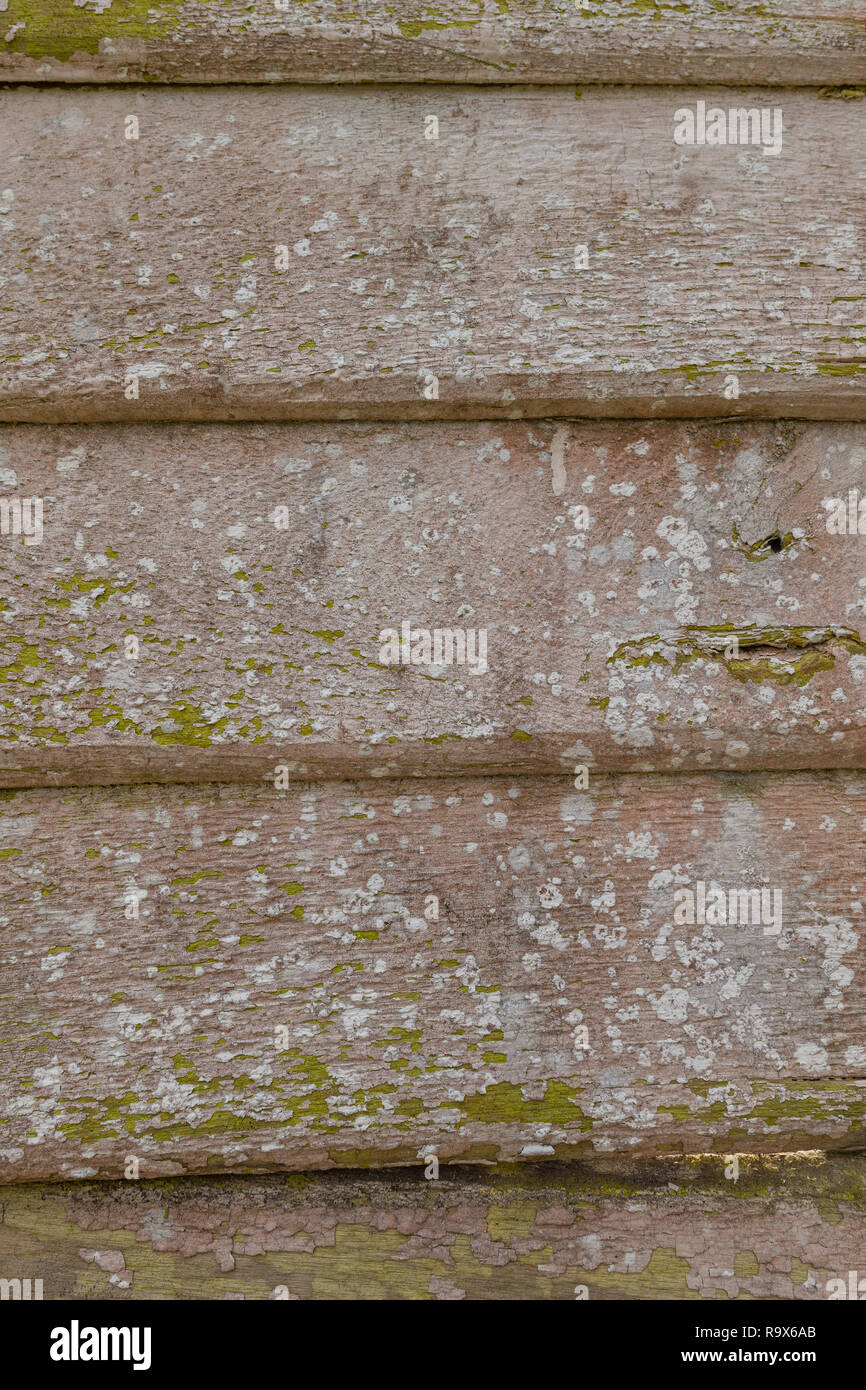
pixel 673 1230
pixel 258 647
pixel 454 40
pixel 433 952
pixel 410 258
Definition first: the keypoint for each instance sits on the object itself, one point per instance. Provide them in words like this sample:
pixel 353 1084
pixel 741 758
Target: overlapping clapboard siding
pixel 409 257
pixel 430 940
pixel 454 40
pixel 671 1230
pixel 434 952
pixel 607 647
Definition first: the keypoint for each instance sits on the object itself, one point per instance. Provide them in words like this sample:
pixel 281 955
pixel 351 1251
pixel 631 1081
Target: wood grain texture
pixel 406 256
pixel 783 41
pixel 158 1037
pixel 670 1230
pixel 259 647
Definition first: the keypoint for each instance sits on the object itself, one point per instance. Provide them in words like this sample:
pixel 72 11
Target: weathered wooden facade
pixel 433 649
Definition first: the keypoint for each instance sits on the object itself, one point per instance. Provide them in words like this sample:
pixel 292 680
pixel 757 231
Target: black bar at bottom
pixel 239 1338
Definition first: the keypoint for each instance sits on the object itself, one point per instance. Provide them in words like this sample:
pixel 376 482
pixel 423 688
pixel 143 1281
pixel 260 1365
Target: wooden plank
pixel 783 41
pixel 606 648
pixel 291 996
pixel 675 1230
pixel 420 266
